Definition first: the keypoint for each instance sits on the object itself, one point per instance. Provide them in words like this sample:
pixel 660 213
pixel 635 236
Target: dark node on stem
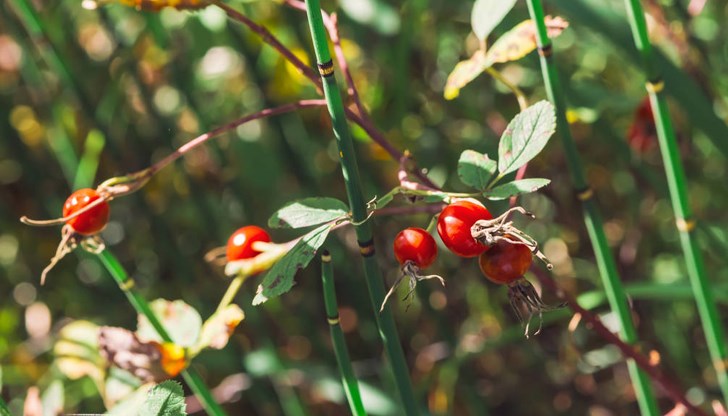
pixel 655 86
pixel 489 232
pixel 584 194
pixel 524 298
pixel 333 320
pixel 412 271
pixel 326 69
pixel 326 256
pixel 546 51
pixel 366 248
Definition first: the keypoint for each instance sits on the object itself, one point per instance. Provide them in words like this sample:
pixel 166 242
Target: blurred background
pixel 90 94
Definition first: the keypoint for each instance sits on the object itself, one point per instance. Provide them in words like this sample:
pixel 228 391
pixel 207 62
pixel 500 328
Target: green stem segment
pixel 126 284
pixel 350 170
pixel 351 386
pixel 592 217
pixel 714 333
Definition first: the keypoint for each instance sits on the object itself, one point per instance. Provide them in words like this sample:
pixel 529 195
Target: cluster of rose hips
pixel 465 226
pixel 468 229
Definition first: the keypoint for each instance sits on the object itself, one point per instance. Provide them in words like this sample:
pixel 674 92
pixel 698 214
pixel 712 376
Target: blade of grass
pixel 348 379
pixel 126 284
pixel 89 163
pixel 592 216
pixel 677 184
pixel 350 171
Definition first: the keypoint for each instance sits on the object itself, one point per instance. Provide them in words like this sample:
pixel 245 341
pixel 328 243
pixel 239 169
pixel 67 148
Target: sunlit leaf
pixel 521 40
pixel 308 212
pixel 120 384
pixel 52 399
pixel 463 73
pixel 476 169
pixel 487 14
pixel 76 351
pixel 165 399
pixel 518 187
pixel 181 321
pixel 217 329
pixel 132 403
pixel 279 278
pixel 525 136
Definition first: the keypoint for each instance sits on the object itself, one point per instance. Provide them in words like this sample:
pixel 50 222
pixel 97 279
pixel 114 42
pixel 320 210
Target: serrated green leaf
pixel 476 169
pixel 164 399
pixel 487 14
pixel 279 278
pixel 463 73
pixel 518 187
pixel 308 212
pixel 132 402
pixel 181 321
pixel 525 136
pixel 521 40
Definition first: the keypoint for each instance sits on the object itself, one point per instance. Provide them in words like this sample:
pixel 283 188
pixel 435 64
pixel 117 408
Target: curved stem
pixel 677 184
pixel 126 284
pixel 348 379
pixel 350 171
pixel 592 216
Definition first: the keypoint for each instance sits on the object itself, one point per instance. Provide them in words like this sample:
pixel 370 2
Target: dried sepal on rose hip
pixel 85 214
pixel 249 251
pixel 488 232
pixel 506 263
pixel 415 250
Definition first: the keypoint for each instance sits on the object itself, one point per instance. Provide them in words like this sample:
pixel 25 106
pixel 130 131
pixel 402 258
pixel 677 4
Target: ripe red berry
pixel 415 245
pixel 240 244
pixel 454 224
pixel 505 262
pixel 91 221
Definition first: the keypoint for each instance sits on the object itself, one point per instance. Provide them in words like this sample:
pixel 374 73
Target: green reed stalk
pixel 348 379
pixel 592 217
pixel 126 284
pixel 677 185
pixel 350 170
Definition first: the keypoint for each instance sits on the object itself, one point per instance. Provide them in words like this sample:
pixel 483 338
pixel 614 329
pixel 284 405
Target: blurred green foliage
pixel 86 95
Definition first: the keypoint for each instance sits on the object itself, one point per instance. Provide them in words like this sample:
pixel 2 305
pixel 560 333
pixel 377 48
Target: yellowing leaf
pixel 463 73
pixel 521 40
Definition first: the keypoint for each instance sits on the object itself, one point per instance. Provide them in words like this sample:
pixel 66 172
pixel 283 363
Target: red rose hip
pixel 240 244
pixel 91 221
pixel 454 225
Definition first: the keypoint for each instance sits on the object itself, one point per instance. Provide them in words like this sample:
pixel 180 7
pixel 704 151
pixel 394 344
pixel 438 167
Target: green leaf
pixel 487 14
pixel 521 40
pixel 519 187
pixel 307 212
pixel 463 73
pixel 181 321
pixel 132 403
pixel 279 278
pixel 476 169
pixel 164 399
pixel 525 136
pixel 4 411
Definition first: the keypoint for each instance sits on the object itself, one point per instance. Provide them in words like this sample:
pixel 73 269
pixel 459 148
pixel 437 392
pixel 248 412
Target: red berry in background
pixel 642 135
pixel 91 221
pixel 415 245
pixel 454 225
pixel 505 262
pixel 240 244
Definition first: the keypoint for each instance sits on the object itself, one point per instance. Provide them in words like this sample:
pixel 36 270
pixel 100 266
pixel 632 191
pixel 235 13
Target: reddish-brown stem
pixel 628 351
pixel 271 40
pixel 201 139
